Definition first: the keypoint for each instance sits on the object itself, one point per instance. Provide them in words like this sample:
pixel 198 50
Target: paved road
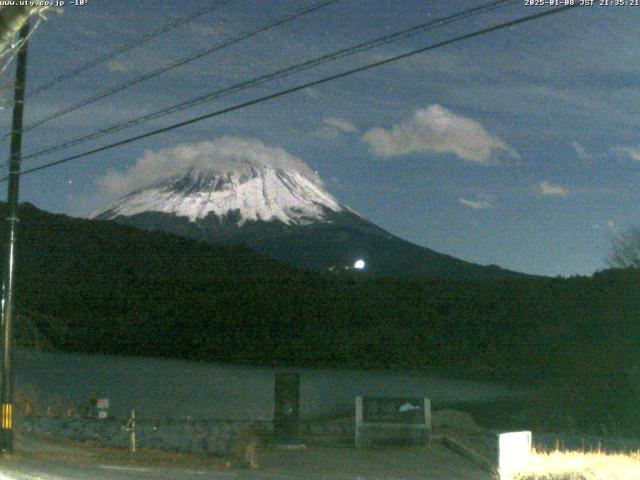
pixel 38 470
pixel 435 462
pixel 24 469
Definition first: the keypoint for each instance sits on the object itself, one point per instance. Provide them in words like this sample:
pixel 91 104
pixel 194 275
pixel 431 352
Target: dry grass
pixel 582 466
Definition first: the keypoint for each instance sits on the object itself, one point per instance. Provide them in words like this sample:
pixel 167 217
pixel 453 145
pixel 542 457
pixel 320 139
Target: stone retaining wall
pixel 331 432
pixel 213 437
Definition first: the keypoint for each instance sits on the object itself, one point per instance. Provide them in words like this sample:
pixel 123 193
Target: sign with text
pixel 102 408
pixel 392 420
pixel 393 410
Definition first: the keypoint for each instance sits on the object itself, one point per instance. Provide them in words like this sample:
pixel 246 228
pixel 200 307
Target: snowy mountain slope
pixel 265 194
pixel 281 213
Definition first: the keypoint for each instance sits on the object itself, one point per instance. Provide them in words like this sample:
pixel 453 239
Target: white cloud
pixel 436 129
pixel 546 189
pixel 610 224
pixel 475 204
pixel 225 154
pixel 632 153
pixel 341 124
pixel 334 127
pixel 581 152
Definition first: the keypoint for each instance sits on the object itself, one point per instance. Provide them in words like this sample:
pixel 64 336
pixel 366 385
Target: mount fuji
pixel 285 213
pixel 251 195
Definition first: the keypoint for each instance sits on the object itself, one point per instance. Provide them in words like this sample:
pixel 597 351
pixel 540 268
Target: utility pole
pixel 6 393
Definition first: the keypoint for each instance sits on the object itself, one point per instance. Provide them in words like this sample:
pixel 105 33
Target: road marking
pixel 149 470
pixel 131 469
pixel 26 476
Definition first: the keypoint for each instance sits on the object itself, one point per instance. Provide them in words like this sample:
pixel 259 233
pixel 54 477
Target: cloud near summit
pixel 437 130
pixel 546 189
pixel 226 154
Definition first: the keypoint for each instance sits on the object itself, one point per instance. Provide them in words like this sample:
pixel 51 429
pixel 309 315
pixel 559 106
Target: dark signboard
pixel 407 411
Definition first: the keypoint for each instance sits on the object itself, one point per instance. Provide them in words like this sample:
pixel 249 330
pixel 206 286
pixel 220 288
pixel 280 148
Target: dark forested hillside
pixel 101 287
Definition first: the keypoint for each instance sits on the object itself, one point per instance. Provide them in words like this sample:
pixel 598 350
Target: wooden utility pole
pixel 6 390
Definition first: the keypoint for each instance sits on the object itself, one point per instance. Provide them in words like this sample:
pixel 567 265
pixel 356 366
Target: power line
pixel 176 64
pixel 288 91
pixel 124 48
pixel 285 72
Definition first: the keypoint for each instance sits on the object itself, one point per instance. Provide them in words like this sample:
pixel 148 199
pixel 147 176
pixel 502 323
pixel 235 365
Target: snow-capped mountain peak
pixel 255 193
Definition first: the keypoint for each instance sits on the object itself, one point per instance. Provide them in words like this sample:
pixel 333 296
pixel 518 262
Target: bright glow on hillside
pixel 359 264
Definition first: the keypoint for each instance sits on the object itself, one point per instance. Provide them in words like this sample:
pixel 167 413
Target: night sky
pixel 519 148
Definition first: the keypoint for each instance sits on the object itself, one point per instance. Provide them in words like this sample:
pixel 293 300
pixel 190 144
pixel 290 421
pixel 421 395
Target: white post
pixel 358 422
pixel 514 450
pixel 132 434
pixel 427 418
pixel 427 414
